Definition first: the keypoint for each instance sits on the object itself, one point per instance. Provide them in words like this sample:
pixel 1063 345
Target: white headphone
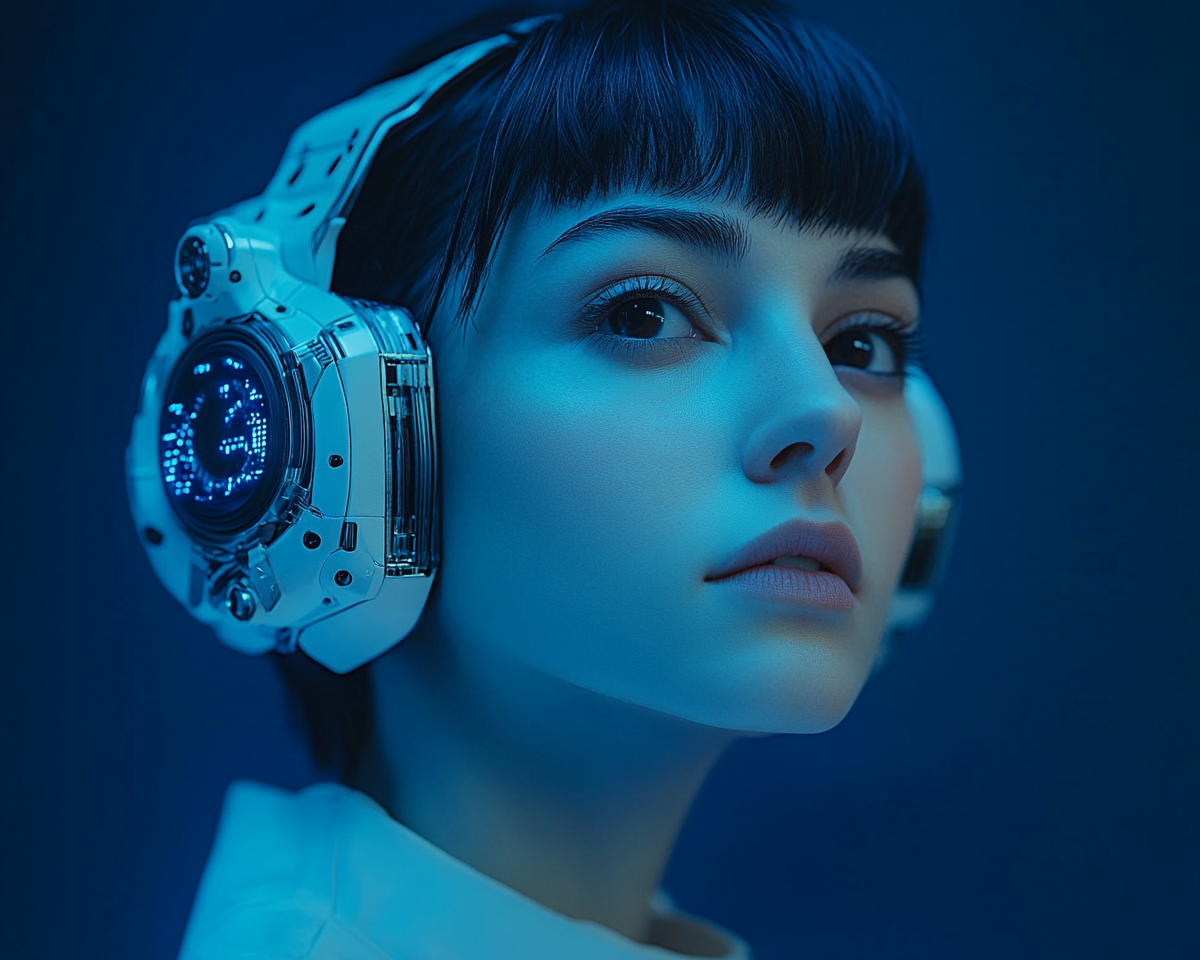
pixel 282 466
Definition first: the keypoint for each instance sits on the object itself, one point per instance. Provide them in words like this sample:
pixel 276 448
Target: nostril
pixel 790 451
pixel 835 463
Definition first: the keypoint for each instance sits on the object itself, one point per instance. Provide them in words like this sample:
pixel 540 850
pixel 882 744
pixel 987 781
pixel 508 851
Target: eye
pixel 648 319
pixel 877 348
pixel 645 318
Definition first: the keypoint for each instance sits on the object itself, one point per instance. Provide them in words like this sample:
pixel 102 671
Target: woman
pixel 666 257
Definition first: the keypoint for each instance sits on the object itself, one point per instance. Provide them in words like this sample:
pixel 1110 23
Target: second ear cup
pixel 937 509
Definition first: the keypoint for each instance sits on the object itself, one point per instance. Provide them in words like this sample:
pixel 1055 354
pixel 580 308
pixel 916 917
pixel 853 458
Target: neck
pixel 569 797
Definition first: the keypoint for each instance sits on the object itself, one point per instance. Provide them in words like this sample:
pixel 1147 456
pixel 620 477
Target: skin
pixel 575 676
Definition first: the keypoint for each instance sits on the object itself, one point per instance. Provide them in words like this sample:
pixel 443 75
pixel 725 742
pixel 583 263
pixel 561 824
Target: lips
pixel 831 544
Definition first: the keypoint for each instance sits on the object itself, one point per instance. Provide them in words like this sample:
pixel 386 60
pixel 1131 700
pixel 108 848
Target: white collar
pixel 326 873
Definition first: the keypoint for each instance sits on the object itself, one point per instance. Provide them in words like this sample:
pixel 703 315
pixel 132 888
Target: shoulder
pixel 326 873
pixel 269 889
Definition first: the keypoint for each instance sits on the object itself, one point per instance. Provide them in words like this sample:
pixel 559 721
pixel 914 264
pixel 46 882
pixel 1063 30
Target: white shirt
pixel 326 873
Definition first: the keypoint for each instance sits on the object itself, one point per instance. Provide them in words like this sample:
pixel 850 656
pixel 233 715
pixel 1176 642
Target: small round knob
pixel 193 266
pixel 240 602
pixel 342 578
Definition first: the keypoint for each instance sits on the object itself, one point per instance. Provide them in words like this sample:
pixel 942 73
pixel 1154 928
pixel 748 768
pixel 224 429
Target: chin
pixel 790 686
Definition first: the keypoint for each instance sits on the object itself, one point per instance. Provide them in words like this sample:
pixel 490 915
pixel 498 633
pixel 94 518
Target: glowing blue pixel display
pixel 216 437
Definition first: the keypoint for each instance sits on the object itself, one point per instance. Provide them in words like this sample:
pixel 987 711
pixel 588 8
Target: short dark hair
pixel 740 100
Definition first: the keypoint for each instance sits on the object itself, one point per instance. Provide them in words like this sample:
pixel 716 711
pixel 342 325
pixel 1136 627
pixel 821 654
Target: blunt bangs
pixel 734 100
pixel 741 102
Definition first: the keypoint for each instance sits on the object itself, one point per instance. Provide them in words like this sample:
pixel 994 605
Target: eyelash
pixel 905 339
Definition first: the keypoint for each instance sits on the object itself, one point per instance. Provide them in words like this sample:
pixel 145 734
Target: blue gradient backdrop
pixel 1022 782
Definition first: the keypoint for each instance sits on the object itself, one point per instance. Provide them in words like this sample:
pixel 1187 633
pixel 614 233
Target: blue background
pixel 1021 782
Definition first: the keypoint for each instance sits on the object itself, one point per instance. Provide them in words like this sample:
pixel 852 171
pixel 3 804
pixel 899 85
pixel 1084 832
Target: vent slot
pixel 412 467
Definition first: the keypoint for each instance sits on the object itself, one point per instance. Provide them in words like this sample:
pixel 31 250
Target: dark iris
pixel 851 349
pixel 641 319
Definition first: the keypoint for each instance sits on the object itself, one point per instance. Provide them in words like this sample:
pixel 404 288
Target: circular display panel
pixel 224 434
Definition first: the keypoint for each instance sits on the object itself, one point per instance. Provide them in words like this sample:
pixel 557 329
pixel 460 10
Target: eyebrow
pixel 870 263
pixel 706 231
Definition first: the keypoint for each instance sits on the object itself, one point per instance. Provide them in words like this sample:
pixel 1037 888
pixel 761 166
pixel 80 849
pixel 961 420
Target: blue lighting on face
pixel 217 445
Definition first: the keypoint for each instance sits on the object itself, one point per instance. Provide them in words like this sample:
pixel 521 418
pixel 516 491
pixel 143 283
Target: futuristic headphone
pixel 282 466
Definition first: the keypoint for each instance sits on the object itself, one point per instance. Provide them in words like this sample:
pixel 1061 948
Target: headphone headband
pixel 326 160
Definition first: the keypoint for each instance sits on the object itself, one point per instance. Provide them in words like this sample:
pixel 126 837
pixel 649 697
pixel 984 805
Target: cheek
pixel 572 458
pixel 566 510
pixel 881 489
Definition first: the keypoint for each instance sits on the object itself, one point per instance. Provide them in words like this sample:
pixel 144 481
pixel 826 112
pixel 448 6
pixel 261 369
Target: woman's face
pixel 678 468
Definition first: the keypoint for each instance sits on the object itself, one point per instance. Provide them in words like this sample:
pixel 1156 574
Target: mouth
pixel 803 560
pixel 799 563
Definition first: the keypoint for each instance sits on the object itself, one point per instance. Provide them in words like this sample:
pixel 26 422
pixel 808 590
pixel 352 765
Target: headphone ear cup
pixel 937 510
pixel 282 466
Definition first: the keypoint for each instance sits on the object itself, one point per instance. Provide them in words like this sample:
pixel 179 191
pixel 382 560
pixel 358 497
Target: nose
pixel 810 423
